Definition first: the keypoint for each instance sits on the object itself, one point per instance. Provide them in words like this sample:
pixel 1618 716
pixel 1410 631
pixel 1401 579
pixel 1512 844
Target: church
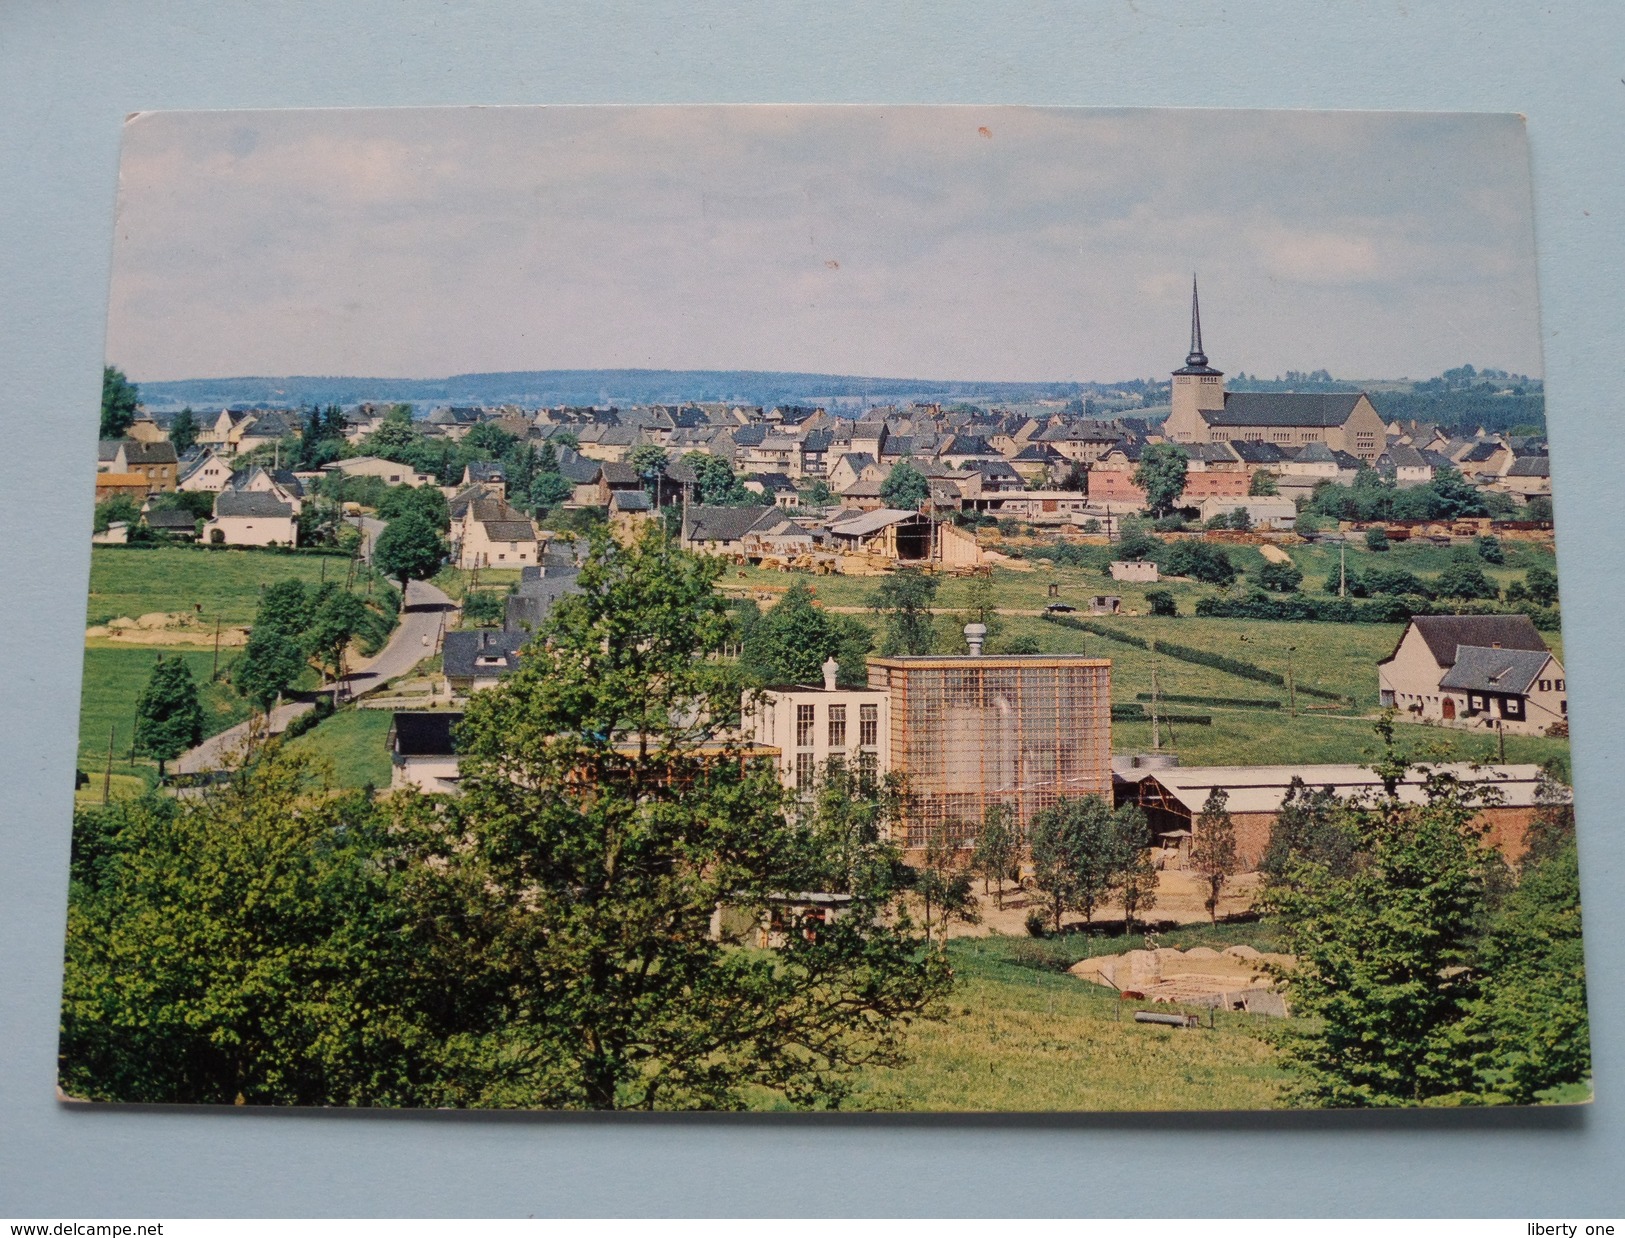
pixel 1204 412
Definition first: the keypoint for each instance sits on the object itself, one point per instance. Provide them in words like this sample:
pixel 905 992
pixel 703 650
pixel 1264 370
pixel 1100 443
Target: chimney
pixel 975 634
pixel 832 668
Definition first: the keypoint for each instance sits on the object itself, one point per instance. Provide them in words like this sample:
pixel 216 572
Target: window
pixel 1282 436
pixel 1475 703
pixel 837 726
pixel 805 765
pixel 1545 685
pixel 804 726
pixel 1560 685
pixel 1511 707
pixel 868 726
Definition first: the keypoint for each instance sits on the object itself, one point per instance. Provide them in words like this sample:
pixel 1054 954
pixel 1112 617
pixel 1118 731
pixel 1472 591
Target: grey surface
pixel 69 72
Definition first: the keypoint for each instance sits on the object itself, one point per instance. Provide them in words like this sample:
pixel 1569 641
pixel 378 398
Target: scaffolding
pixel 971 732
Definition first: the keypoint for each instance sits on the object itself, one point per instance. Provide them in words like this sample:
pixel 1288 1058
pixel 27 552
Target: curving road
pixel 415 639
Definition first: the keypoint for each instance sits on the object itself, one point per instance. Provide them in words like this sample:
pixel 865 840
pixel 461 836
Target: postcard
pixel 809 608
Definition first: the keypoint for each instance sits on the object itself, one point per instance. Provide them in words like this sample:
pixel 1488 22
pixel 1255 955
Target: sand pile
pixel 1234 979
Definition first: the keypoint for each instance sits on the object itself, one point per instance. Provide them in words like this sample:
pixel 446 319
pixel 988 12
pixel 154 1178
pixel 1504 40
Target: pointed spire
pixel 1197 356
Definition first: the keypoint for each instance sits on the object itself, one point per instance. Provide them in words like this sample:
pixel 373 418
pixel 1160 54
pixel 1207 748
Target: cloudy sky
pixel 947 243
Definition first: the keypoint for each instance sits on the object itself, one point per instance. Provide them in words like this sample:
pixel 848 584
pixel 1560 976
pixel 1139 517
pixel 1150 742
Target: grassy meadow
pixel 225 583
pixel 1022 1035
pixel 352 740
pixel 114 678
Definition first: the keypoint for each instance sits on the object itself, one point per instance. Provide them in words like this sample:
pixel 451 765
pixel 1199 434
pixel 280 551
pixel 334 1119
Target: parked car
pixel 1059 608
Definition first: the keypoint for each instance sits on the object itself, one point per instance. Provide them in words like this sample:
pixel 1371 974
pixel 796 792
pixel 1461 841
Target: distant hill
pixel 548 387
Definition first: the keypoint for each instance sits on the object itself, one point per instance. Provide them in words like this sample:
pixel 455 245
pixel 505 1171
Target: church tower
pixel 1197 387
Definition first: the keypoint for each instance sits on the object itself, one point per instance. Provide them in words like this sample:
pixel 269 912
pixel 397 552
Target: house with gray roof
pixel 476 660
pixel 251 518
pixel 1487 672
pixel 722 530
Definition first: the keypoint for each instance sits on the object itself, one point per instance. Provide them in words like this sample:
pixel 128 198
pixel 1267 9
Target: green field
pixel 224 583
pixel 353 740
pixel 1023 1035
pixel 114 678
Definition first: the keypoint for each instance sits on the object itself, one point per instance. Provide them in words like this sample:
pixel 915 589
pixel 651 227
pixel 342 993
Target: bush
pixel 1306 525
pixel 310 719
pixel 1376 539
pixel 1200 561
pixel 1173 522
pixel 1464 579
pixel 1037 924
pixel 1162 603
pixel 1280 577
pixel 1489 549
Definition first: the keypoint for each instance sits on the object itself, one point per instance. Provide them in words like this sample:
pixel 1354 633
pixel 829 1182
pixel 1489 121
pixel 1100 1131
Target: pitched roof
pixel 486 470
pixel 1250 451
pixel 509 530
pixel 1315 453
pixel 136 452
pixel 630 501
pixel 1531 466
pixel 107 450
pixel 539 588
pixel 484 652
pixel 1282 408
pixel 725 524
pixel 1444 634
pixel 171 518
pixel 250 503
pixel 618 473
pixel 425 734
pixel 1403 456
pixel 1262 788
pixel 861 523
pixel 1495 670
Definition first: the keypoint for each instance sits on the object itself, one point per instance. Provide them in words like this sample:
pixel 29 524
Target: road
pixel 415 639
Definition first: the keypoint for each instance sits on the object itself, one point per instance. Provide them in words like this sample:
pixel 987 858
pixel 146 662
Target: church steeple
pixel 1196 356
pixel 1196 359
pixel 1197 387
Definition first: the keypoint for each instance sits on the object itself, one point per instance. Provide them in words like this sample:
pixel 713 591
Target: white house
pixel 1491 672
pixel 810 724
pixel 250 518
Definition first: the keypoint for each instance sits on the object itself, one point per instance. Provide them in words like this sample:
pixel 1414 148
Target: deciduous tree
pixel 905 487
pixel 903 602
pixel 1161 474
pixel 168 715
pixel 1213 849
pixel 410 548
pixel 120 399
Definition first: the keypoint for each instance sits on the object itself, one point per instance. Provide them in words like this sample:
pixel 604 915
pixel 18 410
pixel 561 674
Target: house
pixel 145 430
pixel 251 518
pixel 1202 411
pixel 203 469
pixel 629 510
pixel 809 725
pixel 278 483
pixel 263 430
pixel 1526 478
pixel 156 462
pixel 613 477
pixel 776 486
pixel 1407 465
pixel 487 473
pixel 1134 571
pixel 1172 798
pixel 1491 672
pixel 477 660
pixel 540 586
pixel 388 471
pixel 722 530
pixel 1105 604
pixel 129 485
pixel 852 467
pixel 1269 512
pixel 423 751
pixel 174 522
pixel 494 534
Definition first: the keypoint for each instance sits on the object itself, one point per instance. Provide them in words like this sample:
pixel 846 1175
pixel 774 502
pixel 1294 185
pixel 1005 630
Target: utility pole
pixel 1500 742
pixel 215 673
pixel 1156 730
pixel 107 774
pixel 1342 569
pixel 1291 688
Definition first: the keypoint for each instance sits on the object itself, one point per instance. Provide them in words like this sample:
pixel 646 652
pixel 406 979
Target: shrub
pixel 1200 561
pixel 1464 579
pixel 1037 924
pixel 1162 603
pixel 1173 522
pixel 1280 577
pixel 1376 539
pixel 1489 549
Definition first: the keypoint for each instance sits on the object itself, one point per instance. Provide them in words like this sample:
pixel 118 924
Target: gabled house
pixel 722 530
pixel 1483 671
pixel 479 659
pixel 203 469
pixel 423 750
pixel 280 484
pixel 388 471
pixel 251 518
pixel 852 467
pixel 155 462
pixel 491 533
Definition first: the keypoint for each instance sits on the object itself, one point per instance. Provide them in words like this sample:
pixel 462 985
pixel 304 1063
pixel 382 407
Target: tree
pixel 1162 603
pixel 998 849
pixel 1376 539
pixel 267 666
pixel 1161 474
pixel 1280 577
pixel 120 399
pixel 903 602
pixel 717 484
pixel 548 490
pixel 1541 585
pixel 337 618
pixel 183 429
pixel 121 507
pixel 427 501
pixel 1384 954
pixel 1528 1025
pixel 1213 850
pixel 791 642
pixel 250 947
pixel 168 717
pixel 606 811
pixel 1309 829
pixel 484 608
pixel 1135 543
pixel 410 548
pixel 1135 879
pixel 648 459
pixel 1200 561
pixel 1076 853
pixel 943 886
pixel 905 487
pixel 487 440
pixel 1489 549
pixel 1464 579
pixel 819 494
pixel 1454 495
pixel 1262 485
